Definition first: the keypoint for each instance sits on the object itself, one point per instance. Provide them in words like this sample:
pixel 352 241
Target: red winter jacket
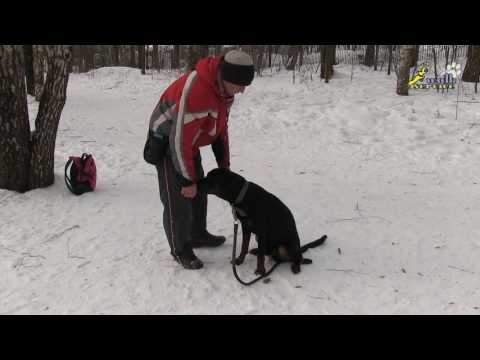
pixel 193 112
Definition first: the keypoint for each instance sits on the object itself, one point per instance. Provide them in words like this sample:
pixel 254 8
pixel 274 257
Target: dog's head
pixel 223 183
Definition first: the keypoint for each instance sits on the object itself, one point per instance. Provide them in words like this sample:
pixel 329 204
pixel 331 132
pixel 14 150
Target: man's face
pixel 233 89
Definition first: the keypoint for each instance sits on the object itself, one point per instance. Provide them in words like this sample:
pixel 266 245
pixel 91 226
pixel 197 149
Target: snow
pixel 393 181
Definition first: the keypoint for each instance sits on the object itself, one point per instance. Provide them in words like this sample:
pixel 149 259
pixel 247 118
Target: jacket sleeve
pixel 182 151
pixel 221 149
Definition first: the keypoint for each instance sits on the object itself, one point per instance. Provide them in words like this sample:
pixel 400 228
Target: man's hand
pixel 189 191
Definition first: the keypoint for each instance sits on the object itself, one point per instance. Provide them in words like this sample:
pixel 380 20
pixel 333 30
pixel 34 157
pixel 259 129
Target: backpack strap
pixel 68 181
pixel 84 157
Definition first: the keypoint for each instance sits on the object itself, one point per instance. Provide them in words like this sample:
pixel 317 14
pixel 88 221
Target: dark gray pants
pixel 183 218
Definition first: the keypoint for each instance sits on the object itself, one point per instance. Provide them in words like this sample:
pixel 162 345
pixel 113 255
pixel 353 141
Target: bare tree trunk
pixel 28 60
pixel 435 65
pixel 369 55
pixel 375 61
pixel 327 59
pixel 38 70
pixel 192 57
pixel 195 53
pixel 27 158
pixel 415 53
pixel 122 49
pixel 293 51
pixel 472 67
pixel 259 59
pixel 390 54
pixel 105 55
pixel 447 51
pixel 82 56
pixel 14 125
pixel 176 57
pixel 46 124
pixel 115 55
pixel 300 62
pixel 70 63
pixel 269 56
pixel 406 55
pixel 155 63
pixel 141 58
pixel 89 57
pixel 132 56
pixel 162 55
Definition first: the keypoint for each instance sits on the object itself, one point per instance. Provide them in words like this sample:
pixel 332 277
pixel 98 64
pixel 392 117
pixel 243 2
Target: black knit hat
pixel 237 68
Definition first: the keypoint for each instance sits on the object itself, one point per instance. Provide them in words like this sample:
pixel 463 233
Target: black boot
pixel 208 240
pixel 188 259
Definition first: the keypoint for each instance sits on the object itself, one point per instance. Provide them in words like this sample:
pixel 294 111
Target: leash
pixel 234 266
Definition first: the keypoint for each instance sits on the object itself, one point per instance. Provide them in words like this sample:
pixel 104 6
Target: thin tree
pixel 162 55
pixel 115 55
pixel 270 56
pixel 195 53
pixel 132 56
pixel 369 55
pixel 447 51
pixel 141 58
pixel 390 53
pixel 415 54
pixel 27 157
pixel 300 61
pixel 155 63
pixel 89 57
pixel 106 59
pixel 176 57
pixel 435 65
pixel 406 55
pixel 293 52
pixel 259 59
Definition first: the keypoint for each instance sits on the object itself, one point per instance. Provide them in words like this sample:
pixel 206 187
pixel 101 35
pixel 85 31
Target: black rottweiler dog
pixel 263 214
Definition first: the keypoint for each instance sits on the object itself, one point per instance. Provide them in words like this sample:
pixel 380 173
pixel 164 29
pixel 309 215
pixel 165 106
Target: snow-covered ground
pixel 393 181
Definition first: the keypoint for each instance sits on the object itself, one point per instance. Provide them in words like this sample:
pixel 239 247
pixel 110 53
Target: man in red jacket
pixel 193 112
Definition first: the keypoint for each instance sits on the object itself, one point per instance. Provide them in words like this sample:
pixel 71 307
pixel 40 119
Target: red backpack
pixel 82 174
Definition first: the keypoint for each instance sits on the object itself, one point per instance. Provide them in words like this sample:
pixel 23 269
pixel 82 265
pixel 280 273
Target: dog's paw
pixel 239 260
pixel 260 271
pixel 254 251
pixel 306 261
pixel 295 268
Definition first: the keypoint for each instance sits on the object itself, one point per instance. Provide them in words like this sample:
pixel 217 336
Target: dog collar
pixel 242 193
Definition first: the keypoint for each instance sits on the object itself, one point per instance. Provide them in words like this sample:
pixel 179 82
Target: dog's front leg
pixel 260 265
pixel 261 240
pixel 246 234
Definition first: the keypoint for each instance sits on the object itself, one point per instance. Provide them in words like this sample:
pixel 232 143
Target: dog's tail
pixel 313 244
